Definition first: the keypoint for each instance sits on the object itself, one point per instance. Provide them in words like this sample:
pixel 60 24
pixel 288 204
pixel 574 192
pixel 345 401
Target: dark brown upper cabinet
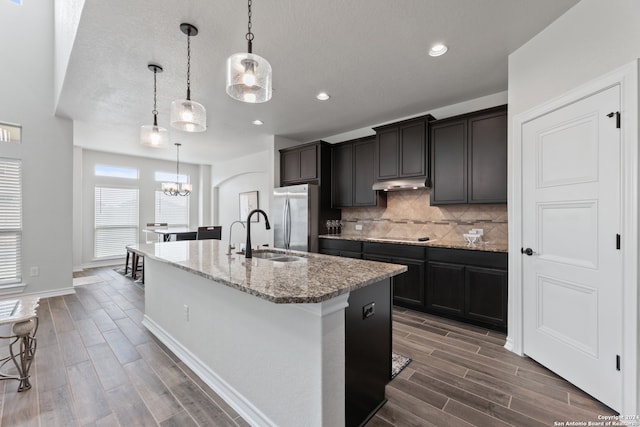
pixel 469 158
pixel 305 164
pixel 401 149
pixel 353 169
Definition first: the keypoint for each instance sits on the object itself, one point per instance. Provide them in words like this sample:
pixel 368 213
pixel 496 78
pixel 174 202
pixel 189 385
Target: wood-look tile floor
pixel 462 376
pixel 96 365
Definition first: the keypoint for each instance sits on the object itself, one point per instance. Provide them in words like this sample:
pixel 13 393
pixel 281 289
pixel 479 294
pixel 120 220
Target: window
pixel 171 177
pixel 174 210
pixel 116 172
pixel 10 221
pixel 116 220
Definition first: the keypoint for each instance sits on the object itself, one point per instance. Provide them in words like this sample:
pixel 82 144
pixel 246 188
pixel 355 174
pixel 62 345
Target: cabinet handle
pixel 527 251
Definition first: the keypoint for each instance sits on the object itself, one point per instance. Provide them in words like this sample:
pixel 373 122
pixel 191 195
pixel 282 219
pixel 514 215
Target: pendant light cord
pixel 249 35
pixel 189 65
pixel 155 92
pixel 178 163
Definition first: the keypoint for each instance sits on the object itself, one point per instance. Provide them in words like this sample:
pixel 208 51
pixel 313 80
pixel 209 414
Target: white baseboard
pixel 509 344
pixel 239 403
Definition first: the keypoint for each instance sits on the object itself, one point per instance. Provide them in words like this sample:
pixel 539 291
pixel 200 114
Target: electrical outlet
pixel 34 271
pixel 186 312
pixel 358 227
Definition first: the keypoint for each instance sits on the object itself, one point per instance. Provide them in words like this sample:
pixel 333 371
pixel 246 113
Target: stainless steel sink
pixel 276 256
pixel 287 258
pixel 267 255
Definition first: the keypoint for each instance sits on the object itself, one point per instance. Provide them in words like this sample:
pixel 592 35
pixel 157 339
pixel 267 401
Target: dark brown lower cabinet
pixel 486 295
pixel 408 287
pixel 462 284
pixel 468 285
pixel 446 288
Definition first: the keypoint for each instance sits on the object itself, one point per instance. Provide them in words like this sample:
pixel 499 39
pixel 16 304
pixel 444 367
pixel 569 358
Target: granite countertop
pixel 452 244
pixel 312 279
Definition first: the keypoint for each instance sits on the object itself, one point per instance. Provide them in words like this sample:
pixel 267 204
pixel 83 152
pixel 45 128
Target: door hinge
pixel 617 241
pixel 617 114
pixel 617 362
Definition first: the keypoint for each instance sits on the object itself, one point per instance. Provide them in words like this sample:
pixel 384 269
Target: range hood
pixel 402 184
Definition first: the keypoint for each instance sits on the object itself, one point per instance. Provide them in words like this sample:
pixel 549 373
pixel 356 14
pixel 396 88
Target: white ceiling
pixel 370 55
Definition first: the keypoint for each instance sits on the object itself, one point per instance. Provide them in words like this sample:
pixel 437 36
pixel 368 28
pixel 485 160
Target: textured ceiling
pixel 370 55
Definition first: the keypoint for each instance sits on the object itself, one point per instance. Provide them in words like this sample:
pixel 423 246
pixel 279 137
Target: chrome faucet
pixel 230 230
pixel 247 250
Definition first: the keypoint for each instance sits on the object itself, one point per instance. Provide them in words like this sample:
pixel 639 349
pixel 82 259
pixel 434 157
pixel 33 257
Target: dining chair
pixel 210 232
pixel 186 236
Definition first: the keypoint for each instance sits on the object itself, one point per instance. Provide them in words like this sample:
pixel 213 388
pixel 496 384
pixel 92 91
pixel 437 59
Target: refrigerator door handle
pixel 286 220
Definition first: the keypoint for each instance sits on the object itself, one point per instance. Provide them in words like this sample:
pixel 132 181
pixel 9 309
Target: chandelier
pixel 177 188
pixel 248 74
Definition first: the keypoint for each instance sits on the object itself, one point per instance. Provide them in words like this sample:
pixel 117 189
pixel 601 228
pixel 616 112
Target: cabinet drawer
pixel 393 250
pixel 469 257
pixel 341 245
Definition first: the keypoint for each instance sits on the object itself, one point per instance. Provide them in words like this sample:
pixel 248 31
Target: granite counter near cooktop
pixel 312 279
pixel 451 244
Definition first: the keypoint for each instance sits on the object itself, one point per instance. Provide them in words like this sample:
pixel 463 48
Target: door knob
pixel 527 251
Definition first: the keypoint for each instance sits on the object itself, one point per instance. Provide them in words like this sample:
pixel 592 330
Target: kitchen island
pixel 305 342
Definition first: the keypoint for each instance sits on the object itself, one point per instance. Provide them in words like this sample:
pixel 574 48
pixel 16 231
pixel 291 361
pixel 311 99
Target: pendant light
pixel 248 74
pixel 176 188
pixel 188 115
pixel 154 135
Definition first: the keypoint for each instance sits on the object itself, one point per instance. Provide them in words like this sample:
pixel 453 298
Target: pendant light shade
pixel 248 78
pixel 154 135
pixel 188 115
pixel 248 74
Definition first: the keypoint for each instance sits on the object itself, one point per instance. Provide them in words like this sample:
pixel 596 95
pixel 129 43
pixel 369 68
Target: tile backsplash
pixel 409 215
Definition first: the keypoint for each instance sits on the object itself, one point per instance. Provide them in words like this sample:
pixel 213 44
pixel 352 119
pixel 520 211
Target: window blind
pixel 10 221
pixel 116 220
pixel 174 210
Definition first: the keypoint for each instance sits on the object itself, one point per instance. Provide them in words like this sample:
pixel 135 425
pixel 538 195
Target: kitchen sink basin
pixel 267 255
pixel 276 256
pixel 286 258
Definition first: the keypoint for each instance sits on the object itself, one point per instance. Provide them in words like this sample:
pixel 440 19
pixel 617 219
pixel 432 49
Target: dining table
pixel 181 233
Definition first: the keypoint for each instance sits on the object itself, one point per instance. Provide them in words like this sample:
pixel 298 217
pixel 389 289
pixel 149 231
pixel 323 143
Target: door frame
pixel 627 78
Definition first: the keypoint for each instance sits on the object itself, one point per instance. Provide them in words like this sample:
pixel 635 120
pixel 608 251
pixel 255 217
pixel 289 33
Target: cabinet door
pixel 342 171
pixel 309 163
pixel 364 173
pixel 412 150
pixel 387 153
pixel 488 158
pixel 333 252
pixel 408 287
pixel 445 290
pixel 486 295
pixel 290 167
pixel 449 163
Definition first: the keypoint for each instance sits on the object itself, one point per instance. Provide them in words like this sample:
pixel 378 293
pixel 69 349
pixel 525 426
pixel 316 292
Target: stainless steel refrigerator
pixel 295 217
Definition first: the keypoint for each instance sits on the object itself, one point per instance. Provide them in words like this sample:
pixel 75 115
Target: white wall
pixel 67 18
pixel 84 201
pixel 249 173
pixel 591 39
pixel 26 91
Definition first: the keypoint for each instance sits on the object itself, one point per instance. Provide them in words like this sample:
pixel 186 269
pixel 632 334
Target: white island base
pixel 275 364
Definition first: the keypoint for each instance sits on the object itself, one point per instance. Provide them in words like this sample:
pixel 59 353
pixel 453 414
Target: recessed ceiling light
pixel 323 96
pixel 438 49
pixel 257 122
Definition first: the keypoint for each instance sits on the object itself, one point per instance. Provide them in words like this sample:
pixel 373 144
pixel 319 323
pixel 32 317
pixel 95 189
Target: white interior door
pixel 572 279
